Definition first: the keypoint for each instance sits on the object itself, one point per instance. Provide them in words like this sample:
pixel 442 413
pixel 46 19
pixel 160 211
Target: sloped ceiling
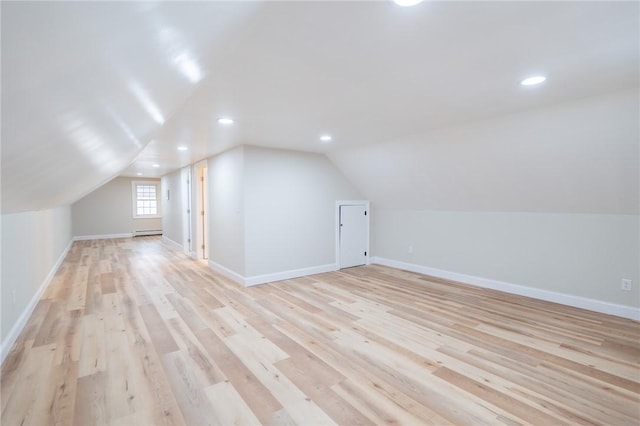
pixel 580 156
pixel 91 90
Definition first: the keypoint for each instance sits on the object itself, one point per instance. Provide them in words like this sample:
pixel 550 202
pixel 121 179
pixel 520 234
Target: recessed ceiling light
pixel 225 121
pixel 138 174
pixel 531 81
pixel 406 3
pixel 156 165
pixel 182 148
pixel 326 138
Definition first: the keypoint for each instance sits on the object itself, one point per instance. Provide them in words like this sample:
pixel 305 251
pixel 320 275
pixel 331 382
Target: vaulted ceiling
pixel 92 90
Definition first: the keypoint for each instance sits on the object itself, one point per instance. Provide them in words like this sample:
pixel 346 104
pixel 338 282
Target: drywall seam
pixel 19 325
pixel 536 293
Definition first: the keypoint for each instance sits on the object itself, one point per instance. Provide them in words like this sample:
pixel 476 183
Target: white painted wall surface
pixel 290 209
pixel 172 210
pixel 109 211
pixel 584 255
pixel 33 244
pixel 225 173
pixel 545 198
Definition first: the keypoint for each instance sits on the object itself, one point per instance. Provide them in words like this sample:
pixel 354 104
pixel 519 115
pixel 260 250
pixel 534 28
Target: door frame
pixel 187 234
pixel 201 208
pixel 340 203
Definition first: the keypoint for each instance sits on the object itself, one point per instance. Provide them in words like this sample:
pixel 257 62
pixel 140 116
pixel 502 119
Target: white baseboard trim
pixel 269 278
pixel 623 311
pixel 19 325
pixel 102 236
pixel 147 232
pixel 226 272
pixel 287 275
pixel 173 244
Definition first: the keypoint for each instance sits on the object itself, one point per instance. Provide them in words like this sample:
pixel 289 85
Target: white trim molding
pixel 223 270
pixel 174 245
pixel 102 236
pixel 623 311
pixel 367 206
pixel 147 232
pixel 134 199
pixel 19 325
pixel 287 275
pixel 269 278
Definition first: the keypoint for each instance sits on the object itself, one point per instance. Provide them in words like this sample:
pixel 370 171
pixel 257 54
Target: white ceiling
pixel 92 90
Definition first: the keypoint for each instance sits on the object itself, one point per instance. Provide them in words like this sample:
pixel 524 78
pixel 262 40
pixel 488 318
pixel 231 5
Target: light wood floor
pixel 132 332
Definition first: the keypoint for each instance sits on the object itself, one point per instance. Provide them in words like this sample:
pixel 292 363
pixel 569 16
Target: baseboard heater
pixel 147 232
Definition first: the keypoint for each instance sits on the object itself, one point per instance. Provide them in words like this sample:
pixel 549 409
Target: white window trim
pixel 134 199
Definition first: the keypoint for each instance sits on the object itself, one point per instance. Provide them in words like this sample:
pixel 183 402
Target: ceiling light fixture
pixel 406 3
pixel 326 138
pixel 225 121
pixel 182 148
pixel 138 174
pixel 532 81
pixel 156 165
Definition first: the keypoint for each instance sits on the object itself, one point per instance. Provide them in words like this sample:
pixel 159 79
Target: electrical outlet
pixel 626 285
pixel 410 249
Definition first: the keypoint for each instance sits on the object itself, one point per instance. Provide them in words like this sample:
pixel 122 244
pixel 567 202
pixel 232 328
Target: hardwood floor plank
pixel 376 407
pixel 298 405
pixel 254 393
pixel 133 332
pixel 188 390
pixel 64 389
pixel 106 282
pixel 91 405
pixel 24 406
pixel 207 370
pixel 51 325
pixel 573 397
pixel 160 335
pixel 521 410
pixel 13 366
pixel 186 312
pixel 228 406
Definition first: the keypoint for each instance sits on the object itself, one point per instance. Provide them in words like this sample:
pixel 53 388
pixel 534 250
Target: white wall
pixel 109 211
pixel 547 199
pixel 33 246
pixel 172 210
pixel 226 237
pixel 290 210
pixel 272 213
pixel 583 255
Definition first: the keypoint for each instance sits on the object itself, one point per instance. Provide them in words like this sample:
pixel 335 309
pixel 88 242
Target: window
pixel 145 199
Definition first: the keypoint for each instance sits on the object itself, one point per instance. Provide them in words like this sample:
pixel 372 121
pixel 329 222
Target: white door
pixel 353 235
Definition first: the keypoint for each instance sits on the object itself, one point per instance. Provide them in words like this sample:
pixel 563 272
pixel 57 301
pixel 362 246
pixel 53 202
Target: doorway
pixel 201 217
pixel 352 233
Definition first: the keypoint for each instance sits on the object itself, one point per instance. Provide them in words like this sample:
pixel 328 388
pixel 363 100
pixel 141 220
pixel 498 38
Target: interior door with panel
pixel 353 234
